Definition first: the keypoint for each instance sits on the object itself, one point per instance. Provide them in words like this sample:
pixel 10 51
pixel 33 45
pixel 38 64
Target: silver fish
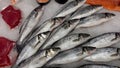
pixel 104 40
pixel 85 11
pixel 48 25
pixel 69 8
pixel 71 41
pixel 72 55
pixel 29 24
pixel 60 32
pixel 38 60
pixel 97 66
pixel 32 47
pixel 60 16
pixel 104 55
pixel 96 19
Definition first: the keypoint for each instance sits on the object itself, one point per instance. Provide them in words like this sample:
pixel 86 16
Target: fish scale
pixel 95 19
pixel 71 41
pixel 69 8
pixel 85 11
pixel 72 55
pixel 39 59
pixel 60 32
pixel 32 47
pixel 29 24
pixel 104 55
pixel 104 40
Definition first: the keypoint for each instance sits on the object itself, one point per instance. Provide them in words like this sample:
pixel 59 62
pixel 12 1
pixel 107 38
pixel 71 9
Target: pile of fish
pixel 52 42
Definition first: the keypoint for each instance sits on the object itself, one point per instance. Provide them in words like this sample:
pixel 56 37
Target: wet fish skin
pixel 103 40
pixel 69 8
pixel 38 60
pixel 85 11
pixel 71 41
pixel 104 55
pixel 71 55
pixel 60 32
pixel 48 25
pixel 32 47
pixel 59 17
pixel 96 19
pixel 29 24
pixel 97 66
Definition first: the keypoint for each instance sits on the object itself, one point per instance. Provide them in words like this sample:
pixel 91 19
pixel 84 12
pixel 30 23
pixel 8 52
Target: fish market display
pixel 96 19
pixel 32 47
pixel 72 55
pixel 52 23
pixel 104 40
pixel 53 43
pixel 104 55
pixel 71 41
pixel 86 11
pixel 60 32
pixel 97 66
pixel 39 59
pixel 29 24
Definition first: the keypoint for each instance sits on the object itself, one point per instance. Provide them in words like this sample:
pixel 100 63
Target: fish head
pixel 52 51
pixel 107 15
pixel 56 21
pixel 43 35
pixel 116 37
pixel 38 12
pixel 88 50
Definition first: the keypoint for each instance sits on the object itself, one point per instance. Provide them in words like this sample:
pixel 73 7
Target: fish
pixel 97 66
pixel 85 11
pixel 71 41
pixel 104 55
pixel 60 32
pixel 48 25
pixel 96 19
pixel 32 47
pixel 72 55
pixel 69 8
pixel 61 15
pixel 30 22
pixel 103 40
pixel 38 60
